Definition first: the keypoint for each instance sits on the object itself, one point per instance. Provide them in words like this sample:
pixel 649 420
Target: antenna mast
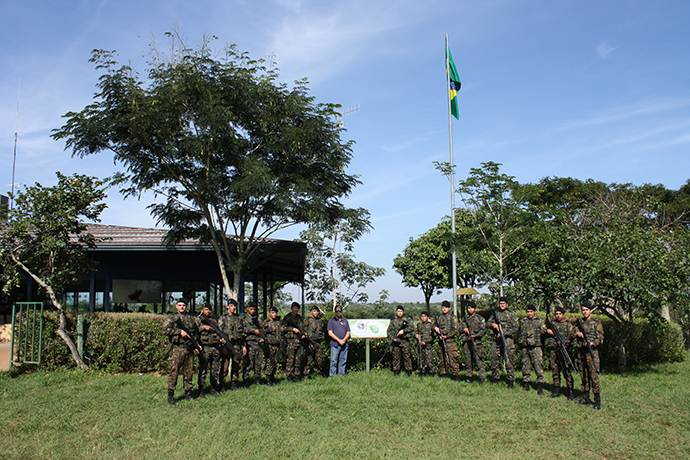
pixel 14 161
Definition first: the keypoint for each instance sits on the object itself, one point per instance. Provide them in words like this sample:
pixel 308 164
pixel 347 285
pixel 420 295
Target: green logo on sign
pixel 374 329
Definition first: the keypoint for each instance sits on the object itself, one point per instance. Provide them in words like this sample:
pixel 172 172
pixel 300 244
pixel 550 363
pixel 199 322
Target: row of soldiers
pixel 557 336
pixel 235 345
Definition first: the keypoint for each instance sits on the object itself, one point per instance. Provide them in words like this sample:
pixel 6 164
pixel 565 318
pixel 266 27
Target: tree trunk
pixel 665 312
pixel 625 329
pixel 63 319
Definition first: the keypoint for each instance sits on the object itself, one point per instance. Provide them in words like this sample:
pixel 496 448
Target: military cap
pixel 530 307
pixel 445 303
pixel 273 309
pixel 503 299
pixel 315 308
pixel 183 300
pixel 560 309
pixel 587 305
pixel 399 307
pixel 471 304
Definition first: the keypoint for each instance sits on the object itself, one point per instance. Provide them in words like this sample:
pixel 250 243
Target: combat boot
pixel 290 379
pixel 556 392
pixel 298 379
pixel 456 378
pixel 188 395
pixel 510 384
pixel 257 381
pixel 171 397
pixel 396 372
pixel 525 386
pixel 269 380
pixel 233 386
pixel 201 394
pixel 597 401
pixel 409 373
pixel 540 388
pixel 213 390
pixel 221 388
pixel 481 381
pixel 585 400
pixel 571 395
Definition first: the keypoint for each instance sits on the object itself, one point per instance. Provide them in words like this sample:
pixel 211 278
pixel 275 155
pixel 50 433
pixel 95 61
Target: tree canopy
pixel 232 150
pixel 44 237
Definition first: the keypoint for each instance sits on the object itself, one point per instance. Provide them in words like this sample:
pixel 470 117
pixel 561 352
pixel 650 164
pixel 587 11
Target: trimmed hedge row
pixel 134 342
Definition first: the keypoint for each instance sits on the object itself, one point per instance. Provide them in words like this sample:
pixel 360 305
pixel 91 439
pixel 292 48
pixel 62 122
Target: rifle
pixel 290 321
pixel 443 345
pixel 419 339
pixel 587 342
pixel 395 336
pixel 262 334
pixel 503 338
pixel 190 338
pixel 559 340
pixel 225 348
pixel 470 337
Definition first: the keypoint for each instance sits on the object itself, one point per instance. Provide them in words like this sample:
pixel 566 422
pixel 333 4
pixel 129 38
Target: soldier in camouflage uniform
pixel 211 358
pixel 531 330
pixel 295 349
pixel 273 331
pixel 253 339
pixel 314 327
pixel 182 354
pixel 558 364
pixel 475 323
pixel 400 330
pixel 231 324
pixel 509 323
pixel 590 367
pixel 447 328
pixel 425 335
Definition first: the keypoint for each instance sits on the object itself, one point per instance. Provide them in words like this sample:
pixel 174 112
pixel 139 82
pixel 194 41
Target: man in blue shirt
pixel 339 332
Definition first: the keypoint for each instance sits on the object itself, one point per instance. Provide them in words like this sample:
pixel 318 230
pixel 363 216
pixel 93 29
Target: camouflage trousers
pixel 181 361
pixel 427 364
pixel 495 356
pixel 253 360
pixel 293 358
pixel 589 370
pixel 558 366
pixel 452 349
pixel 401 354
pixel 532 358
pixel 211 361
pixel 233 363
pixel 272 359
pixel 478 359
pixel 314 360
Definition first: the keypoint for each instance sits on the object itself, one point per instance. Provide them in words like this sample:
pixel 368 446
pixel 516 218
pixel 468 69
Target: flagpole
pixel 452 181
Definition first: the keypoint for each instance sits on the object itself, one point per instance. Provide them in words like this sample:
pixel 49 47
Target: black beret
pixel 530 307
pixel 561 309
pixel 445 303
pixel 273 309
pixel 471 304
pixel 503 299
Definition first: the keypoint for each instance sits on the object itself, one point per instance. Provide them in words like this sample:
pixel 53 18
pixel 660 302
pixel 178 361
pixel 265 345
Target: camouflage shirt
pixel 426 332
pixel 232 326
pixel 287 328
pixel 448 324
pixel 476 324
pixel 508 320
pixel 565 329
pixel 396 324
pixel 207 337
pixel 531 331
pixel 314 328
pixel 249 325
pixel 273 330
pixel 594 331
pixel 173 331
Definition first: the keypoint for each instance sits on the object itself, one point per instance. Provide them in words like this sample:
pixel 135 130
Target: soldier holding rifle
pixel 181 330
pixel 473 328
pixel 589 337
pixel 255 343
pixel 425 336
pixel 504 324
pixel 446 330
pixel 562 330
pixel 211 358
pixel 231 325
pixel 295 350
pixel 399 332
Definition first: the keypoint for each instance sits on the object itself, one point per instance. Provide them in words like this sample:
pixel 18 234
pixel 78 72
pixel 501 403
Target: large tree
pixel 498 217
pixel 43 237
pixel 332 269
pixel 233 150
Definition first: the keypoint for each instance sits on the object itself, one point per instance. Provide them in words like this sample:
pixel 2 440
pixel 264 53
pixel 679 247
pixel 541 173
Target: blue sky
pixel 587 89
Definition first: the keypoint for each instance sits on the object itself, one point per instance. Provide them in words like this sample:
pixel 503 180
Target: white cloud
pixel 603 49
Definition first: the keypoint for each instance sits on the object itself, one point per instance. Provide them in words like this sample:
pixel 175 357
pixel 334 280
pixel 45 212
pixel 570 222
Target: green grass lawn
pixel 76 414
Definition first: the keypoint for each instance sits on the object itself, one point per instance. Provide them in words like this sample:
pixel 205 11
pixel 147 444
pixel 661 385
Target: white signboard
pixel 368 328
